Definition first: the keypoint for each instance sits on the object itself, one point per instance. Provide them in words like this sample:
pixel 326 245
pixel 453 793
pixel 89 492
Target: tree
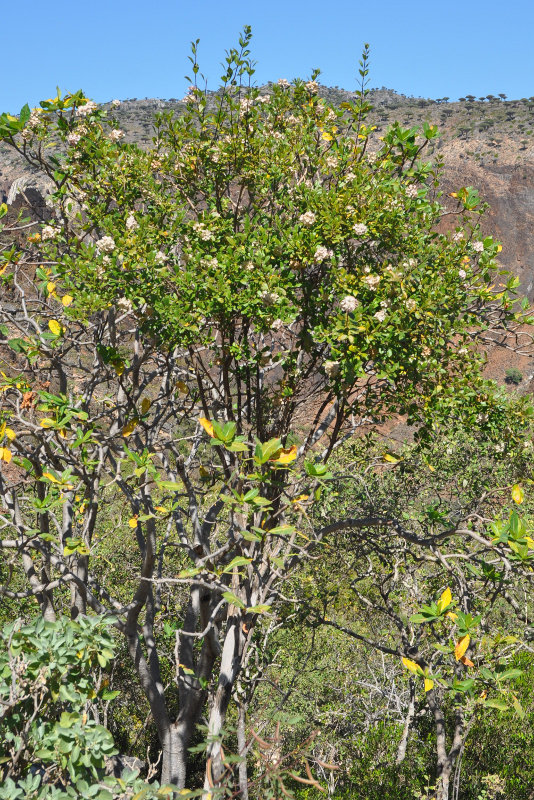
pixel 193 333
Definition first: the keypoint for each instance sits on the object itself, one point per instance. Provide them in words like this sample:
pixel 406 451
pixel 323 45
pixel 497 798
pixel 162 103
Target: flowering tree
pixel 192 333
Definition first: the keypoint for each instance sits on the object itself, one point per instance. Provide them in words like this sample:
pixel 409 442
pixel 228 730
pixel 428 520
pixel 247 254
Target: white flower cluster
pixel 116 135
pixel 203 232
pixel 322 253
pixel 73 138
pixel 307 218
pixel 131 222
pixel 115 103
pixel 88 108
pixel 160 258
pixel 106 244
pixel 462 274
pixel 360 229
pixel 33 122
pixel 381 315
pixel 269 298
pixel 349 304
pixel 478 247
pixel 331 162
pixel 124 306
pixel 262 98
pixel 283 83
pixel 209 262
pixel 412 191
pixel 371 281
pixel 458 236
pixel 312 87
pixel 332 368
pixel 49 232
pixel 277 324
pixel 410 304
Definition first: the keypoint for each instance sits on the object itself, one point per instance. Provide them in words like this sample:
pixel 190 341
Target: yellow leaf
pixel 461 646
pixel 5 454
pixel 530 541
pixel 452 615
pixel 50 287
pixel 10 433
pixel 300 498
pixel 518 495
pixel 161 508
pixel 51 478
pixel 46 422
pixel 391 459
pixel 499 248
pixel 286 455
pixel 467 661
pixel 411 665
pixel 327 137
pixel 67 300
pixel 208 427
pixel 130 427
pixel 429 684
pixel 182 386
pixel 55 327
pixel 444 600
pixel 145 405
pixel 133 522
pixel 118 366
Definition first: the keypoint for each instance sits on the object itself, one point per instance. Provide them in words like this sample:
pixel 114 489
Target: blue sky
pixel 139 49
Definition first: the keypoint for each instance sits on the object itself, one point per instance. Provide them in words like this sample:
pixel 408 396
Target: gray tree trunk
pixel 242 751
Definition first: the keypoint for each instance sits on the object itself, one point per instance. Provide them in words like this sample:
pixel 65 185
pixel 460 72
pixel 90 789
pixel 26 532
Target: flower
pixel 412 191
pixel 331 162
pixel 86 109
pixel 462 274
pixel 312 87
pixel 332 368
pixel 348 304
pixel 49 232
pixel 283 83
pixel 322 253
pixel 124 305
pixel 160 258
pixel 269 298
pixel 115 103
pixel 458 236
pixel 410 304
pixel 478 247
pixel 262 98
pixel 308 218
pixel 106 244
pixel 205 234
pixel 73 139
pixel 426 351
pixel 381 315
pixel 360 229
pixel 116 135
pixel 277 324
pixel 371 281
pixel 131 222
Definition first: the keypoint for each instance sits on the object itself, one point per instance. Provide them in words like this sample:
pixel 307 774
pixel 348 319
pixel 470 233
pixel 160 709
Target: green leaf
pixel 233 600
pixel 238 561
